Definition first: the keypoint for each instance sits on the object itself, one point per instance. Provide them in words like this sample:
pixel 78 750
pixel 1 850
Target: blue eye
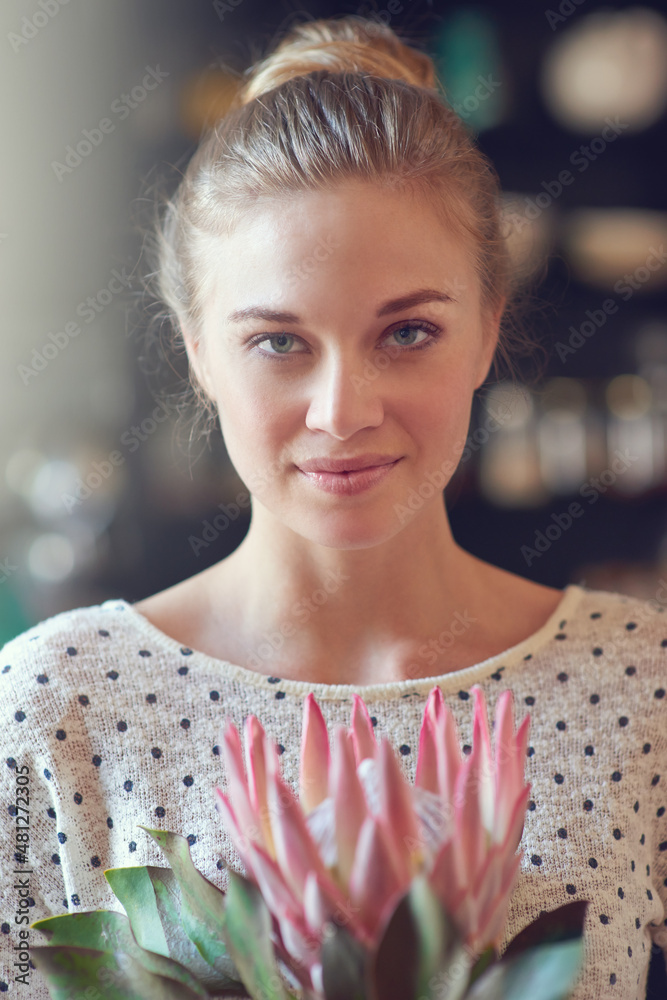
pixel 282 342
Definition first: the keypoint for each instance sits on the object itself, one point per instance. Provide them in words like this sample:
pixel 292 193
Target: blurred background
pixel 100 497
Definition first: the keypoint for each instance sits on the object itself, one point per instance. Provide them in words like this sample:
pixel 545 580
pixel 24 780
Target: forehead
pixel 358 237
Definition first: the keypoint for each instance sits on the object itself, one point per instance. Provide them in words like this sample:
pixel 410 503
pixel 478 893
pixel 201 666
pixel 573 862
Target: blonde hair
pixel 336 100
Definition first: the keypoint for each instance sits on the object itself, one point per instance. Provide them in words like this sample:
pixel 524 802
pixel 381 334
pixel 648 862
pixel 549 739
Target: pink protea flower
pixel 347 848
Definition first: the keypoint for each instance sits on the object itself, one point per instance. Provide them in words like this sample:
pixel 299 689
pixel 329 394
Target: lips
pixel 350 464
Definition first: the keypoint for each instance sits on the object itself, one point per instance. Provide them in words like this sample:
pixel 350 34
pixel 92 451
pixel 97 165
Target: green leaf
pixel 72 972
pixel 247 934
pixel 444 960
pixel 344 965
pixel 134 888
pixel 483 963
pixel 565 923
pixel 108 932
pixel 189 901
pixel 546 972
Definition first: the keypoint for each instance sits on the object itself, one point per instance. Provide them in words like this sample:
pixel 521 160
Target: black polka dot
pixel 47 774
pixel 151 699
pixel 182 671
pixel 621 894
pixel 660 693
pixel 631 625
pixel 112 675
pixel 604 919
pixel 71 651
pixel 464 695
pixel 280 748
pixel 623 721
pixel 592 862
pixel 597 651
pixel 51 812
pixel 530 752
pixel 83 700
pixel 95 861
pixel 19 716
pixel 157 753
pixel 110 822
pixel 562 677
pixel 646 748
pixel 637 923
pixel 78 798
pixel 191 839
pixel 374 721
pixel 588 805
pixel 404 749
pixel 145 652
pixel 61 734
pixel 467 749
pixel 185 651
pixel 631 671
pixel 617 834
pixel 559 779
pixel 55 858
pixel 560 635
pixel 529 700
pixel 594 699
pixel 532 806
pixel 97 760
pixel 42 679
pixel 616 776
pixel 560 725
pixel 102 631
pixel 188 780
pixel 62 837
pixel 596 614
pixel 185 723
pixel 132 846
pixel 216 750
pixel 279 695
pixel 159 811
pixel 121 726
pixel 7 668
pixel 654 780
pixel 562 833
pixel 128 785
pixel 636 807
pixel 214 695
pixel 589 750
pixel 536 859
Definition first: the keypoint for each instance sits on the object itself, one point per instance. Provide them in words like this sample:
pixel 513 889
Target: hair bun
pixel 351 43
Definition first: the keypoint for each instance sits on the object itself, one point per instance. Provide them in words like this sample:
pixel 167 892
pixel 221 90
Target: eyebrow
pixel 415 298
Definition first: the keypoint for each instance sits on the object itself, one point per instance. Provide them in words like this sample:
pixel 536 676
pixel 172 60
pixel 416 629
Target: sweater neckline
pixel 524 650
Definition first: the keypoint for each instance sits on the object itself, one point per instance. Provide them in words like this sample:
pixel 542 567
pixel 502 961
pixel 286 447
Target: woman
pixel 334 262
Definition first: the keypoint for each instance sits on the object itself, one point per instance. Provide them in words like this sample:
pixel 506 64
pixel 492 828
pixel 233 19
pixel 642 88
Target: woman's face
pixel 352 370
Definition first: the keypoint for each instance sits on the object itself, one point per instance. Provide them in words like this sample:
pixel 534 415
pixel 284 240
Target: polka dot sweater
pixel 115 724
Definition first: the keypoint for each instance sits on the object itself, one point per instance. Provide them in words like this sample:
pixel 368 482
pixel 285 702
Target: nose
pixel 343 398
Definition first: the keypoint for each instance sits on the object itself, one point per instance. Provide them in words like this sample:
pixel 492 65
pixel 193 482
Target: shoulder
pixel 622 615
pixel 55 648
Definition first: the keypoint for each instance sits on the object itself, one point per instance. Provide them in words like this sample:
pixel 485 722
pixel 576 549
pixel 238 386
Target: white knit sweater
pixel 115 724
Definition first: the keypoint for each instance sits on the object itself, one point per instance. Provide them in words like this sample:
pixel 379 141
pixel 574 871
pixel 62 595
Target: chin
pixel 349 530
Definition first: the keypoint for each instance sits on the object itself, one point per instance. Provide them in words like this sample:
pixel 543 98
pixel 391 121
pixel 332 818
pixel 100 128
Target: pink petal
pixel 232 755
pixel 362 730
pixel 240 840
pixel 470 836
pixel 315 756
pixel 396 809
pixel 375 882
pixel 448 748
pixel 481 761
pixel 257 748
pixel 426 775
pixel 350 808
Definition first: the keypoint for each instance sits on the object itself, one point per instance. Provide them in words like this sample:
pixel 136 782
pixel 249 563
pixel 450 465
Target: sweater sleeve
pixel 31 880
pixel 658 781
